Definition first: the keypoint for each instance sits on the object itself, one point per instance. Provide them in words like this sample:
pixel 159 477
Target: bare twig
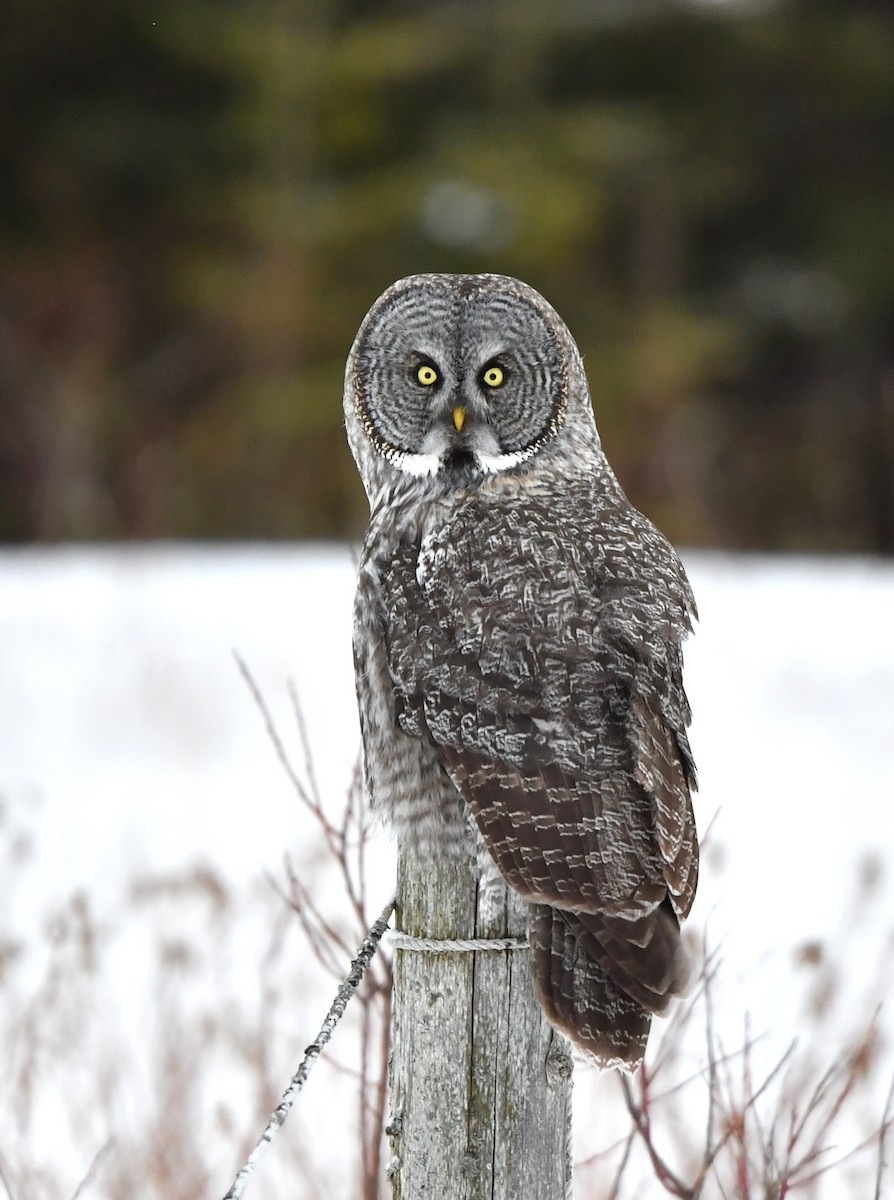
pixel 345 992
pixel 309 772
pixel 324 939
pixel 346 839
pixel 883 1133
pixel 641 1117
pixel 272 731
pixel 93 1168
pixel 615 1189
pixel 711 1146
pixel 4 1179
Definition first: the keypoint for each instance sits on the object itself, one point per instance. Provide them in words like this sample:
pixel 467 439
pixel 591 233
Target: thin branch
pixel 615 1190
pixel 336 1012
pixel 642 1123
pixel 310 773
pixel 93 1168
pixel 4 1179
pixel 272 732
pixel 883 1133
pixel 804 1180
pixel 346 839
pixel 710 1154
pixel 303 904
pixel 831 1092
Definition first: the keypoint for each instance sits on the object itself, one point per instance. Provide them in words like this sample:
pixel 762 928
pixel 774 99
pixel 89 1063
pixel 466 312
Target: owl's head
pixel 453 376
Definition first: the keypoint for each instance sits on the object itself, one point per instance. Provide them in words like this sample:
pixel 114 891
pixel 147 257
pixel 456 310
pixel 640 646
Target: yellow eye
pixel 493 377
pixel 427 375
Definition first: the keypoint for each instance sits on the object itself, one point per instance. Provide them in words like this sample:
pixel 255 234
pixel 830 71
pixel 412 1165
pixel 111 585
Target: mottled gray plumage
pixel 518 630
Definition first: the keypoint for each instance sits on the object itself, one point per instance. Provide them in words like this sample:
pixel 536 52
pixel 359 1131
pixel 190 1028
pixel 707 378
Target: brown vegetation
pixel 702 1119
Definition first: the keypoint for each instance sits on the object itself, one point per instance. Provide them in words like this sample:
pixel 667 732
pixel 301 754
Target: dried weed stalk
pixel 765 1137
pixel 346 841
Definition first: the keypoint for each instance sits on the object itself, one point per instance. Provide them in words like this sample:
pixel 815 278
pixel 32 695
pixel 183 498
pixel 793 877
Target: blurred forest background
pixel 199 200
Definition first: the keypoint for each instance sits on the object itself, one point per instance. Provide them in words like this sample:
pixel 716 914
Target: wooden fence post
pixel 480 1083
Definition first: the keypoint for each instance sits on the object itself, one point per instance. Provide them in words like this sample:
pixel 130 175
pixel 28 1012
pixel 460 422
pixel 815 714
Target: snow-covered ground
pixel 139 786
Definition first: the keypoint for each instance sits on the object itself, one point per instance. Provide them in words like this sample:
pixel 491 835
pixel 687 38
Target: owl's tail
pixel 600 978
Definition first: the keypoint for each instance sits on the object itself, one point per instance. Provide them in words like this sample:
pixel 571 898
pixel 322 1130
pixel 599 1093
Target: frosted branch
pixel 347 989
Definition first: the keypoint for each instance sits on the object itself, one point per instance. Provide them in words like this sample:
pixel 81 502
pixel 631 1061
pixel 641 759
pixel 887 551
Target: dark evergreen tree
pixel 198 201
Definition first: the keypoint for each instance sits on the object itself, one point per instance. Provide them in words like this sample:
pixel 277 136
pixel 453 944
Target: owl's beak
pixel 459 418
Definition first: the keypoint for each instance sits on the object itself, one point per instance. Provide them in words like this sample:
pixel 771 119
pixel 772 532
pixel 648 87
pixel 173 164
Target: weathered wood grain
pixel 480 1083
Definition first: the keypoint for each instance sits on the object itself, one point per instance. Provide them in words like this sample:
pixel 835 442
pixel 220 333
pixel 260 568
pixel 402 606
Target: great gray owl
pixel 518 630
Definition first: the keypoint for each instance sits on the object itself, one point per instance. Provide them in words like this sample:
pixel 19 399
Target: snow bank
pixel 131 747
